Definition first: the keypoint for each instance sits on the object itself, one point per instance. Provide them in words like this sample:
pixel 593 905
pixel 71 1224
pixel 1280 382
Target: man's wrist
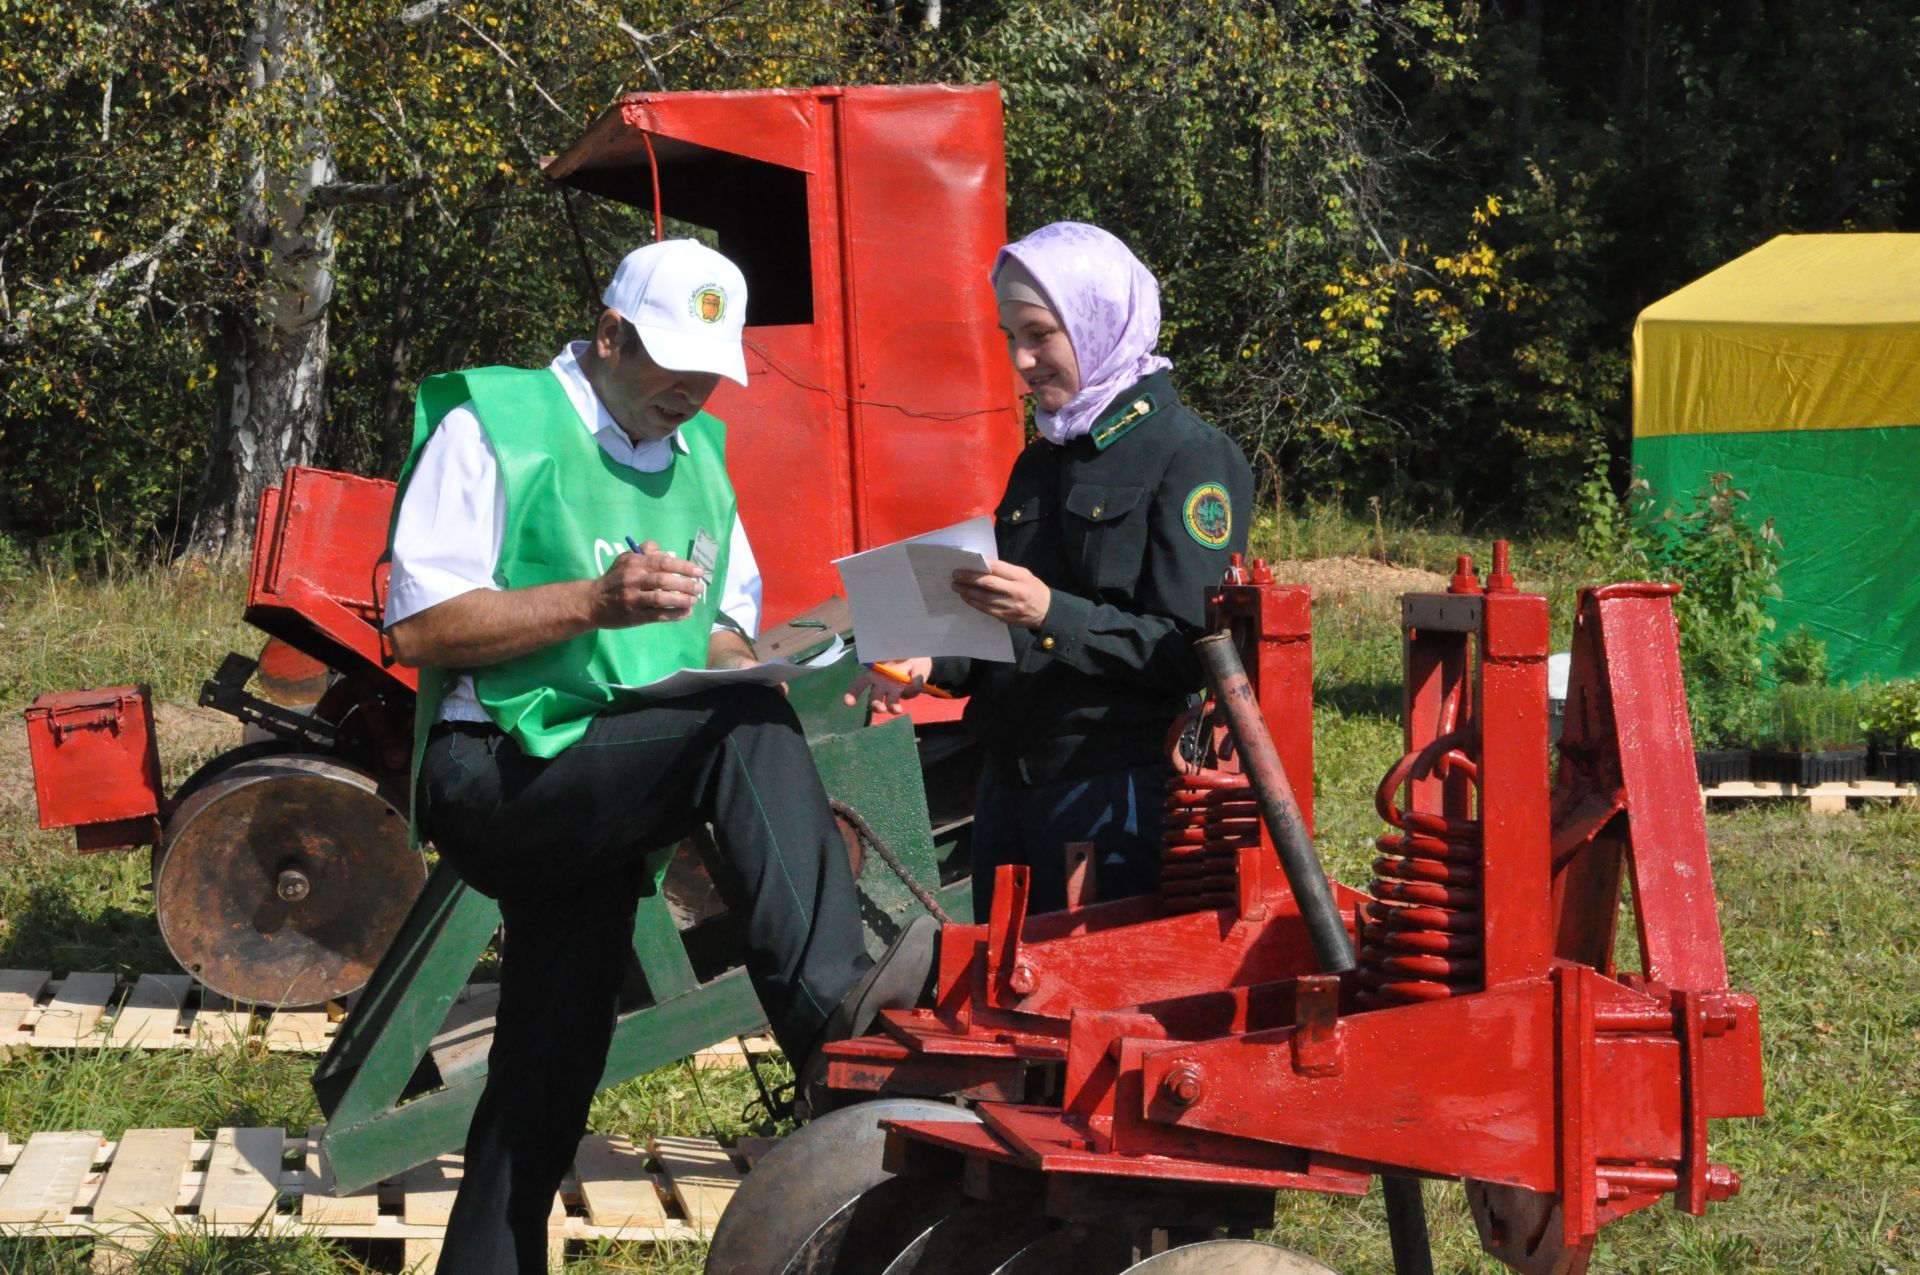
pixel 727 649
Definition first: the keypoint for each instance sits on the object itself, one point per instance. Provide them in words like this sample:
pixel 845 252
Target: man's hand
pixel 1009 593
pixel 648 587
pixel 887 691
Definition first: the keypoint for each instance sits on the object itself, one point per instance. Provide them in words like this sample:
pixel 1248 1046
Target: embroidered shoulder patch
pixel 1109 431
pixel 1208 515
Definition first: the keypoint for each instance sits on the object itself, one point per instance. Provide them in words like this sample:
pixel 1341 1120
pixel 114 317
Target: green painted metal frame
pixel 383 1119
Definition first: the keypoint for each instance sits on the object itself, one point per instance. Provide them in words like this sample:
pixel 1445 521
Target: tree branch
pixel 89 293
pixel 414 14
pixel 345 194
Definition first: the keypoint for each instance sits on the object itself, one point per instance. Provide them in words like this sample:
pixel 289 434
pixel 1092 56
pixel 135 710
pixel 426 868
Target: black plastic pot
pixel 1724 766
pixel 1896 766
pixel 1832 766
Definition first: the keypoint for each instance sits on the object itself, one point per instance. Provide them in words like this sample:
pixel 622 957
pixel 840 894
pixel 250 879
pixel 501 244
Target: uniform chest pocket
pixel 1106 534
pixel 1015 523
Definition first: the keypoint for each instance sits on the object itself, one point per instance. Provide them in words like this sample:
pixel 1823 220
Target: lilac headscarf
pixel 1109 305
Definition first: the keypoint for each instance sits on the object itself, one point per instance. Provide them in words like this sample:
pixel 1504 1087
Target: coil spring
pixel 1421 933
pixel 1210 816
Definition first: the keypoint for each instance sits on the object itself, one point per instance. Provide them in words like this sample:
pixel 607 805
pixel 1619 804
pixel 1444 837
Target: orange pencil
pixel 893 674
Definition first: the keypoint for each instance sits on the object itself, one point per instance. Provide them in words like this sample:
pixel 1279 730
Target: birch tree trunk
pixel 271 389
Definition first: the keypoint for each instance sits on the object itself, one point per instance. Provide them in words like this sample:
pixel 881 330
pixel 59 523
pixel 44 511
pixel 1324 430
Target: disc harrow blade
pixel 799 1188
pixel 1082 1248
pixel 1230 1257
pixel 868 1231
pixel 974 1239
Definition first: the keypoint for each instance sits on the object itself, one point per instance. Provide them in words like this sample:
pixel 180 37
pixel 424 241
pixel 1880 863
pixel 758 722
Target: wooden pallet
pixel 172 1011
pixel 1821 799
pixel 252 1182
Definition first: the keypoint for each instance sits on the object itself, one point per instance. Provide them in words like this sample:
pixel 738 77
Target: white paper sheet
pixel 903 600
pixel 691 680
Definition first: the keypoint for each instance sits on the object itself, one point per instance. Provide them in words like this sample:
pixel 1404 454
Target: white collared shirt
pixel 452 521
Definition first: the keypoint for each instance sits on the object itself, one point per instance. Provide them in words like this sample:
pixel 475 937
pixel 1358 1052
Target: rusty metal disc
pixel 1230 1257
pixel 282 880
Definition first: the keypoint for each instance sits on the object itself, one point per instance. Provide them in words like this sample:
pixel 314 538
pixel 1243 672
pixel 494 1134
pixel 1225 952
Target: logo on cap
pixel 708 303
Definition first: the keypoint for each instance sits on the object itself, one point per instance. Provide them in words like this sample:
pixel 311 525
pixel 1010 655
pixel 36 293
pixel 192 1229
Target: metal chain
pixel 879 847
pixel 776 1100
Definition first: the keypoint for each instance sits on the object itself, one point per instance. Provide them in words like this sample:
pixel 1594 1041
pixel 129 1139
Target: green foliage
pixel 1728 572
pixel 1253 155
pixel 1890 713
pixel 1812 717
pixel 1800 659
pixel 1402 245
pixel 14 565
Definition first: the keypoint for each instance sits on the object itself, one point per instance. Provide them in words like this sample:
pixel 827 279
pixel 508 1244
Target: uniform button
pixel 1096 511
pixel 1014 516
pixel 1046 643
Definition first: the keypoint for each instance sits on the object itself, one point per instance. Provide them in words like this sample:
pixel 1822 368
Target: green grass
pixel 1819 914
pixel 168 627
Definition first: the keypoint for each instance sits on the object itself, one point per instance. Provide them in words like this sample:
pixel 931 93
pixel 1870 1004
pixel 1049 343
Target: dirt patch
pixel 189 729
pixel 1348 577
pixel 184 731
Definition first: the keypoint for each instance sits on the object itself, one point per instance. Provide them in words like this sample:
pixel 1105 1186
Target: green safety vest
pixel 570 511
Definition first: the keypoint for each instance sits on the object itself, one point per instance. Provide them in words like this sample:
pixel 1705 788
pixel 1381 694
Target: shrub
pixel 1801 659
pixel 1728 571
pixel 1890 714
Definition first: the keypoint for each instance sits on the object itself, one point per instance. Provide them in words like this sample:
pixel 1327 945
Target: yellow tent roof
pixel 1804 332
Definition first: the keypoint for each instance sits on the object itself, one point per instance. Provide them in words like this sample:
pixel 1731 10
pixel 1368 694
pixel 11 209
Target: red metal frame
pixel 1202 1046
pixel 318 582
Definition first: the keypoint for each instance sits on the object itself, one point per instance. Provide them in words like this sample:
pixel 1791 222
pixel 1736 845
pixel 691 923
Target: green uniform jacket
pixel 1129 526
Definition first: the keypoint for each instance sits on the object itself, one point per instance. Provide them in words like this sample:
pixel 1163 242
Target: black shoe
pixel 898 980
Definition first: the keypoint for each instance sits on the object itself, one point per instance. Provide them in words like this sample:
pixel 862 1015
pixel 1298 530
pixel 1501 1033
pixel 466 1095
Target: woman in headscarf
pixel 1115 522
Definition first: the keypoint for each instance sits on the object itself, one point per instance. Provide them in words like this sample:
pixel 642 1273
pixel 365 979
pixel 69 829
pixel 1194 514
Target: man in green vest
pixel 561 533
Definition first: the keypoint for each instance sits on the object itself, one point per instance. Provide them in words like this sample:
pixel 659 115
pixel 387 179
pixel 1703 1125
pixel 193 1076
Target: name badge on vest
pixel 704 554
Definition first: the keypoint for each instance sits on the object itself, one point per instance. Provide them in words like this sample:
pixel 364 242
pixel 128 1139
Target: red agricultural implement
pixel 1141 1074
pixel 1102 1089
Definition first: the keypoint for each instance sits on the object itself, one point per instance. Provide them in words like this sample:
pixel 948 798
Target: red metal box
pixel 96 765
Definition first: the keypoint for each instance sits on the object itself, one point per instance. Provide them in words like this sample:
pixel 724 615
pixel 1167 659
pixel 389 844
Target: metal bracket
pixel 1318 1049
pixel 225 690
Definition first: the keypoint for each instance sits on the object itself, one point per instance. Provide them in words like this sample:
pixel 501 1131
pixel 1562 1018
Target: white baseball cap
pixel 687 302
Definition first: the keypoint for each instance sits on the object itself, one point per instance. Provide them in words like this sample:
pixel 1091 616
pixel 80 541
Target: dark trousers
pixel 1120 811
pixel 561 845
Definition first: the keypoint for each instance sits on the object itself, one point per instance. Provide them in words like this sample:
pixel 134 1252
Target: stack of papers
pixel 773 673
pixel 903 600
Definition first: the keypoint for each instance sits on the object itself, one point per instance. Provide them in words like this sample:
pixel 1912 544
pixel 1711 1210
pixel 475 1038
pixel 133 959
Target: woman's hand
pixel 1009 593
pixel 887 691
